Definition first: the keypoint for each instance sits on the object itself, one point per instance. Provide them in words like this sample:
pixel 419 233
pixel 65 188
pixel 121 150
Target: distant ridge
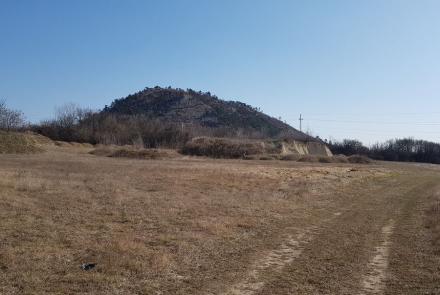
pixel 204 110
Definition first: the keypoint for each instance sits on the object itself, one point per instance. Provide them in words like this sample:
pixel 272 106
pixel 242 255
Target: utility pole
pixel 300 122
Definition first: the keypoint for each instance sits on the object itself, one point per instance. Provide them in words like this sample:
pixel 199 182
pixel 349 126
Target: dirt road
pixel 216 227
pixel 375 244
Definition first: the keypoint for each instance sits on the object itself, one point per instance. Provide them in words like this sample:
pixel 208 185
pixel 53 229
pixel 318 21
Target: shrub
pixel 221 148
pixel 340 159
pixel 290 157
pixel 359 159
pixel 130 152
pixel 308 158
pixel 139 154
pixel 325 160
pixel 267 158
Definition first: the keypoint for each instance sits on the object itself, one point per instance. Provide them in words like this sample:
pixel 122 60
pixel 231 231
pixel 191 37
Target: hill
pixel 205 111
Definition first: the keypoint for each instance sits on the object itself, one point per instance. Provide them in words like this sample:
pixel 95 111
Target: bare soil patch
pixel 374 281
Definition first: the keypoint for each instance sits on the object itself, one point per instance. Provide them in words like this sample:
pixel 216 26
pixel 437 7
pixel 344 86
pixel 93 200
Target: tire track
pixel 374 280
pixel 273 261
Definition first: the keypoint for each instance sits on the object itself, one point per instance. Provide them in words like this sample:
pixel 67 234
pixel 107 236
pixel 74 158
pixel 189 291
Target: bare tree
pixel 70 114
pixel 10 119
pixel 3 111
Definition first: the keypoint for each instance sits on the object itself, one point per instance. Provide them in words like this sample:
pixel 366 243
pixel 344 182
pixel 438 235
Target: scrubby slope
pixel 205 110
pixel 21 143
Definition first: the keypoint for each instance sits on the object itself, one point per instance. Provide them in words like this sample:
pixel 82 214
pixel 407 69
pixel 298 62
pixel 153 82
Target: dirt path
pixel 374 280
pixel 364 249
pixel 273 261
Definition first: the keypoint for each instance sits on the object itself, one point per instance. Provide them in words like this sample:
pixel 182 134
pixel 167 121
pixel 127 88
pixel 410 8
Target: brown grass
pixel 222 148
pixel 359 159
pixel 73 144
pixel 20 143
pixel 322 159
pixel 433 224
pixel 356 159
pixel 340 159
pixel 133 153
pixel 157 227
pixel 308 159
pixel 290 157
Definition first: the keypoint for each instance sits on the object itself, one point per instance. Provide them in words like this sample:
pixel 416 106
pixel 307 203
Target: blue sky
pixel 367 69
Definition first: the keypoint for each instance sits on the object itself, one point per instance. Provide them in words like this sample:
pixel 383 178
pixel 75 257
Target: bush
pixel 267 158
pixel 340 159
pixel 359 159
pixel 221 148
pixel 308 158
pixel 76 125
pixel 325 160
pixel 139 154
pixel 334 159
pixel 131 152
pixel 290 157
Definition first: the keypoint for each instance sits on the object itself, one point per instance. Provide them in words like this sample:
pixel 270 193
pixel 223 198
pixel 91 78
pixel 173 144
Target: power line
pixel 374 122
pixel 360 131
pixel 375 114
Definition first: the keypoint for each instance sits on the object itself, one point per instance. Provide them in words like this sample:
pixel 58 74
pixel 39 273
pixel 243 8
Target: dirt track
pixel 197 226
pixel 377 244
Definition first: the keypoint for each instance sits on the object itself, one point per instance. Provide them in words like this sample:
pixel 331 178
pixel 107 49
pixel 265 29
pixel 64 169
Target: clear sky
pixel 367 69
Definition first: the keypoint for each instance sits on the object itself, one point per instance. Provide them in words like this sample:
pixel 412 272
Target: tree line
pixel 403 150
pixel 75 124
pixel 72 123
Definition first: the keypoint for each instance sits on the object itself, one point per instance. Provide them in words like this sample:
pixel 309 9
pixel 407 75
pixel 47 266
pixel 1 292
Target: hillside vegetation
pixel 20 143
pixel 159 117
pixel 199 109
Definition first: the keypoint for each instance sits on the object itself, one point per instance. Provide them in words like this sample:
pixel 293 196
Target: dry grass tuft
pixel 309 159
pixel 65 144
pixel 356 159
pixel 359 159
pixel 19 143
pixel 340 159
pixel 290 157
pixel 140 154
pixel 133 153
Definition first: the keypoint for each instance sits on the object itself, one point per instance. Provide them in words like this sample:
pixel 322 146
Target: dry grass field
pixel 184 225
